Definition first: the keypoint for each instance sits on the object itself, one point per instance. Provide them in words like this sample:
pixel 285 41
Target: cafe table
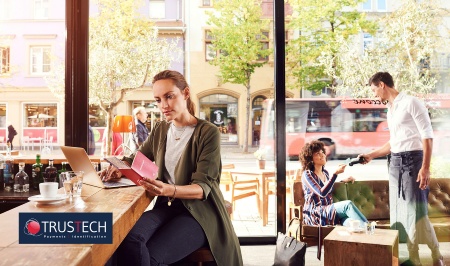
pixel 126 204
pixel 265 177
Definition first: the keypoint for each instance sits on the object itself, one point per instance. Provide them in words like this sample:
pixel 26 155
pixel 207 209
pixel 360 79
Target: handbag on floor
pixel 289 250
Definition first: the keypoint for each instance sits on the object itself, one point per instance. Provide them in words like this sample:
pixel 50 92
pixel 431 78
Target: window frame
pixel 209 46
pixel 5 60
pixel 364 6
pixel 160 8
pixel 42 57
pixel 4 9
pixel 381 9
pixel 41 108
pixel 368 41
pixel 206 3
pixel 41 9
pixel 264 44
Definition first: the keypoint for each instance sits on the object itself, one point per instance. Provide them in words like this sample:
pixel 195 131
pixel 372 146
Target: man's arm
pixel 424 173
pixel 383 151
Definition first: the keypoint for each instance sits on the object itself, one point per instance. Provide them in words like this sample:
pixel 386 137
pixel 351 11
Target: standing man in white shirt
pixel 410 146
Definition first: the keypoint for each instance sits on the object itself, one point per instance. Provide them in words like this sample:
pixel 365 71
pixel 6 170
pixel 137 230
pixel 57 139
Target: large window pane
pixel 31 52
pixel 40 60
pixel 41 9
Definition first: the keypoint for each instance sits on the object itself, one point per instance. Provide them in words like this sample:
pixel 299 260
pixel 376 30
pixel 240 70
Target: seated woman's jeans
pixel 161 236
pixel 346 211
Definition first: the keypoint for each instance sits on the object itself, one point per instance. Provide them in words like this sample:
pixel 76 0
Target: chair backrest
pixel 297 191
pixel 225 177
pixel 228 166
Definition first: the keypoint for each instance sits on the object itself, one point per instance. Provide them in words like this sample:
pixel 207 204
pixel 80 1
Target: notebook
pixel 141 167
pixel 79 161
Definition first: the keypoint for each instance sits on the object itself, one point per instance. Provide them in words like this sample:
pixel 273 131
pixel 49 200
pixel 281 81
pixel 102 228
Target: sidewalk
pixel 235 152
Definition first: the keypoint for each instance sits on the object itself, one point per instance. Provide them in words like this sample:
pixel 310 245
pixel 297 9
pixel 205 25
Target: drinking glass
pixel 369 227
pixel 72 182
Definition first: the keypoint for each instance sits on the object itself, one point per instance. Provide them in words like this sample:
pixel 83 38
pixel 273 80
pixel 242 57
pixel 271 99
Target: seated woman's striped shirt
pixel 318 207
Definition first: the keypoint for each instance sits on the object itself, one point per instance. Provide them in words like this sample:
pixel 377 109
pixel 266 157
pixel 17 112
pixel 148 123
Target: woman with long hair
pixel 189 212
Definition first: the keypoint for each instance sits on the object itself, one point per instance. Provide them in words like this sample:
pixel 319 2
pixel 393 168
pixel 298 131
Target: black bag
pixel 289 250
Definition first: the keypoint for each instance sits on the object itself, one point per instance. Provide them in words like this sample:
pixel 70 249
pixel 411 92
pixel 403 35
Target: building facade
pixel 32 38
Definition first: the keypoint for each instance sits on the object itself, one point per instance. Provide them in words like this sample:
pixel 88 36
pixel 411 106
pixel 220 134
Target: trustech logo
pixel 65 228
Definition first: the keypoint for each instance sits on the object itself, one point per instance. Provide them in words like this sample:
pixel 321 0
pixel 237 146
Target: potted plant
pixel 260 155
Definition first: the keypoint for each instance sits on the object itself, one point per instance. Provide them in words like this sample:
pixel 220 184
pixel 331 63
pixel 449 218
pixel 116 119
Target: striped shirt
pixel 318 207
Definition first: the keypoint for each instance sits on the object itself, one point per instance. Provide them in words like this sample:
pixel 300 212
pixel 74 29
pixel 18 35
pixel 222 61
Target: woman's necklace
pixel 321 176
pixel 174 129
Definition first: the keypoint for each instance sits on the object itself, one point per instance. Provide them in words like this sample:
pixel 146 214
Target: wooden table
pixel 264 177
pixel 126 205
pixel 342 247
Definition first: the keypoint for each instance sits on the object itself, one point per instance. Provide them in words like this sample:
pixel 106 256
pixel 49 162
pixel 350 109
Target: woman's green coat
pixel 200 164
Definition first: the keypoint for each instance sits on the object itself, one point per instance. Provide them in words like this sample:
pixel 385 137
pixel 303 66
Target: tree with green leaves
pixel 411 36
pixel 124 53
pixel 237 33
pixel 320 25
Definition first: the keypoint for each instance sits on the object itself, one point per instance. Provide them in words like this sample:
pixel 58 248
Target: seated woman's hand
pixel 341 169
pixel 154 186
pixel 110 174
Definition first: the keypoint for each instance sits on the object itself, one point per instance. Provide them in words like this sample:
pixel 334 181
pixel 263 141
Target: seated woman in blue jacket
pixel 318 185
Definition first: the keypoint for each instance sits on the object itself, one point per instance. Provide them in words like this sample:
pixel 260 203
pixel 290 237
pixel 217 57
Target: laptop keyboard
pixel 114 184
pixel 118 163
pixel 122 182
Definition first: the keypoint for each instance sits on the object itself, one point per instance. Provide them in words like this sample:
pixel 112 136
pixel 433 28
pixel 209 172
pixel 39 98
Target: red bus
pixel 347 126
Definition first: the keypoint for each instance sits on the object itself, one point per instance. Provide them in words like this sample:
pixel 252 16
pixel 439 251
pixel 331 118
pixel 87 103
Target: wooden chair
pixel 309 234
pixel 242 187
pixel 291 177
pixel 225 177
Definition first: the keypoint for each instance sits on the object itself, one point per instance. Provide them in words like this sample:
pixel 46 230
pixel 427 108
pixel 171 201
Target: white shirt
pixel 177 138
pixel 409 123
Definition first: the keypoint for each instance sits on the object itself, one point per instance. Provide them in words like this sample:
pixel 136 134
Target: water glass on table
pixel 72 182
pixel 369 227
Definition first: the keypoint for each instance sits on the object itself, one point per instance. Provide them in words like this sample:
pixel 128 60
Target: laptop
pixel 79 161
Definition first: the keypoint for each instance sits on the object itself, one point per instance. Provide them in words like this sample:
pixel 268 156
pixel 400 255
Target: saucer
pixel 41 200
pixel 355 230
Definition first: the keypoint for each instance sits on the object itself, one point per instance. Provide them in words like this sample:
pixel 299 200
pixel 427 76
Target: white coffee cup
pixel 48 189
pixel 354 224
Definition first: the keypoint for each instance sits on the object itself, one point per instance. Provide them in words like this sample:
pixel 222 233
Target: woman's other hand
pixel 349 179
pixel 110 173
pixel 341 169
